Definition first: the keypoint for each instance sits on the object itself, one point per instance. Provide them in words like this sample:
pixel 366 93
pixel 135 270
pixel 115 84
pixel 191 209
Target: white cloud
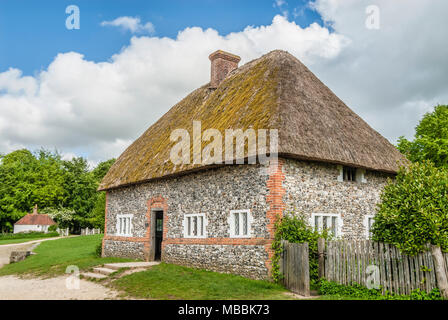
pixel 81 107
pixel 389 76
pixel 393 75
pixel 132 24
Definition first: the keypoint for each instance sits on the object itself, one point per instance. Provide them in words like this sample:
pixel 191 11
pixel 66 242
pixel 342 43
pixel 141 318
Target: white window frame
pixel 127 232
pixel 201 218
pixel 328 215
pixel 366 225
pixel 232 223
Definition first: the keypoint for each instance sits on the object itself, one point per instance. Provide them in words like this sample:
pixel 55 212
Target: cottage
pixel 331 166
pixel 34 222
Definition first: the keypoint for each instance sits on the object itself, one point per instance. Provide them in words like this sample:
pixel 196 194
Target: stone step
pixel 105 271
pixel 131 265
pixel 93 275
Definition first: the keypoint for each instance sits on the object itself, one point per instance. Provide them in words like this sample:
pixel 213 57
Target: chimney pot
pixel 222 64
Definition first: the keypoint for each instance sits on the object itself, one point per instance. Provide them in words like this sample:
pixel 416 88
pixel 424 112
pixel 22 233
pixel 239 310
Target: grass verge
pixel 53 257
pixel 25 237
pixel 168 281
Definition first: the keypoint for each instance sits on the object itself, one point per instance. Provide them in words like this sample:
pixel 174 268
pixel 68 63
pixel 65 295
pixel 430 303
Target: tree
pixel 97 215
pixel 26 180
pixel 431 139
pixel 414 213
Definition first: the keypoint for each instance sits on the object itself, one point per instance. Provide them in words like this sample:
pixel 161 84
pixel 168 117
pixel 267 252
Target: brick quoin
pixel 105 228
pixel 276 205
pixel 156 203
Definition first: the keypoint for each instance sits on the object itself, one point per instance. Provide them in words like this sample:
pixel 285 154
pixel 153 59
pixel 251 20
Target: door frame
pixel 152 232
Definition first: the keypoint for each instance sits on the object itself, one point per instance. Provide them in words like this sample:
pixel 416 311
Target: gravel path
pixel 14 288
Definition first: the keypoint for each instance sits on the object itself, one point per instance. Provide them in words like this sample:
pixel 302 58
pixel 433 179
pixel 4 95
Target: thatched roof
pixel 275 91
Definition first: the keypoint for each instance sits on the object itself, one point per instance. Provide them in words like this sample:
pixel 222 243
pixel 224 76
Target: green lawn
pixel 167 281
pixel 53 257
pixel 19 238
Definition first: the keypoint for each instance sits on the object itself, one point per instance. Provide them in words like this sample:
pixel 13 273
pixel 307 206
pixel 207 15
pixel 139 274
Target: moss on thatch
pixel 274 92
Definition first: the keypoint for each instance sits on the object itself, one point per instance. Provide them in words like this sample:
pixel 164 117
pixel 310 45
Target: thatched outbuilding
pixel 220 215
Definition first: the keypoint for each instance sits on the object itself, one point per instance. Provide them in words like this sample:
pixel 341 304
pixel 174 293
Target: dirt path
pixel 14 288
pixel 6 249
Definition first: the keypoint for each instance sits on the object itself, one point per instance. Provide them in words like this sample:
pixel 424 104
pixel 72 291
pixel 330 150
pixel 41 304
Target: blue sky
pixel 33 32
pixel 93 91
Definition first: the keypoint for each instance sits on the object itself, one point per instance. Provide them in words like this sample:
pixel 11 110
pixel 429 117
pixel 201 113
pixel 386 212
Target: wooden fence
pixel 294 264
pixel 88 232
pixel 358 262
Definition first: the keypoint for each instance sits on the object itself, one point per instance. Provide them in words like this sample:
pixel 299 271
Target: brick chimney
pixel 222 64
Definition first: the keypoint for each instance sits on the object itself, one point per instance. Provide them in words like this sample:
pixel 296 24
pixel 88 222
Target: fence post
pixel 321 256
pixel 441 276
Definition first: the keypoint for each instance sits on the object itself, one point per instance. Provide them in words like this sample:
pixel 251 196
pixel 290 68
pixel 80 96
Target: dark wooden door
pixel 159 235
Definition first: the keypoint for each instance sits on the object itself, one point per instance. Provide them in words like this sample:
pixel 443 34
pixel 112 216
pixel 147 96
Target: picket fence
pixel 62 232
pixel 350 262
pixel 88 232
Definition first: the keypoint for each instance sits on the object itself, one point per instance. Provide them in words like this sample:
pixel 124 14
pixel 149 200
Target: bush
pixel 27 235
pixel 99 249
pixel 414 209
pixel 360 292
pixel 53 228
pixel 295 229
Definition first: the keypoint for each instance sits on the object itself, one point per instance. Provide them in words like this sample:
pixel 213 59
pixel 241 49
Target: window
pixel 324 221
pixel 124 225
pixel 368 222
pixel 195 226
pixel 349 174
pixel 240 223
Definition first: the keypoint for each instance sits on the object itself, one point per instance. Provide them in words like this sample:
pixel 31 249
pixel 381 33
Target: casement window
pixel 124 225
pixel 327 221
pixel 351 174
pixel 368 222
pixel 195 225
pixel 240 223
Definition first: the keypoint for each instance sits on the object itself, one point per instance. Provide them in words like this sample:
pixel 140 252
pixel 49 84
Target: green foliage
pixel 295 229
pixel 360 292
pixel 27 235
pixel 53 228
pixel 99 249
pixel 63 216
pixel 414 209
pixel 431 139
pixel 66 189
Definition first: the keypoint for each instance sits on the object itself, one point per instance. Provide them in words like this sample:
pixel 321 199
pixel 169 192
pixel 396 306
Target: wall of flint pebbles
pixel 310 187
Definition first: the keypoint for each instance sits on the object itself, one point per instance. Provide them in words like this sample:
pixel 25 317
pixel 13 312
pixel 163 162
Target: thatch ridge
pixel 275 91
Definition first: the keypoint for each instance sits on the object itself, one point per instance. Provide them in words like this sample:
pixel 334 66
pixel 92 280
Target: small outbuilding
pixel 34 222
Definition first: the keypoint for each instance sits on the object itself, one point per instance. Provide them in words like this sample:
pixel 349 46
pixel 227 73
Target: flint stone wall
pixel 213 192
pixel 313 187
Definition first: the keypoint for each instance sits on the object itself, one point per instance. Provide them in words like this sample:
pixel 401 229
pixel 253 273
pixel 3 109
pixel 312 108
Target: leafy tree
pixel 414 209
pixel 414 213
pixel 66 190
pixel 431 139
